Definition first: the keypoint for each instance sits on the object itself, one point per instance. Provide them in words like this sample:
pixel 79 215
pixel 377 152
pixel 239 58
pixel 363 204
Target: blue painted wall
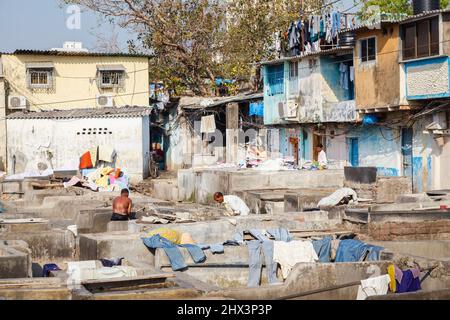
pixel 271 115
pixel 329 67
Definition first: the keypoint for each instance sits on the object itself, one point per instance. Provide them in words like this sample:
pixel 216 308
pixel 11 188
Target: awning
pixel 110 67
pixel 40 65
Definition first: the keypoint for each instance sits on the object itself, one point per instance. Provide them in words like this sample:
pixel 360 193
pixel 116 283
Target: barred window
pixel 40 78
pixel 111 79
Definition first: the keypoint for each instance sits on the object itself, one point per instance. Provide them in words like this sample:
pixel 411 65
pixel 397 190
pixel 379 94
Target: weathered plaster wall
pixel 383 73
pixel 427 78
pixel 271 114
pixel 379 147
pixel 75 83
pixel 58 144
pixel 2 123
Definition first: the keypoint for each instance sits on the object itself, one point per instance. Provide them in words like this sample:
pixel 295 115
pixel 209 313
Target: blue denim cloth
pixel 217 248
pixel 323 248
pixel 49 267
pixel 354 250
pixel 175 257
pixel 255 262
pixel 195 251
pixel 280 234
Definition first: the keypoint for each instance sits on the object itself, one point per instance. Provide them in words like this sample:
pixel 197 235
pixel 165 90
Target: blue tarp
pixel 257 109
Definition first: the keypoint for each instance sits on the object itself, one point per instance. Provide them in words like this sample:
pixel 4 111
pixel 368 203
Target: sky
pixel 41 25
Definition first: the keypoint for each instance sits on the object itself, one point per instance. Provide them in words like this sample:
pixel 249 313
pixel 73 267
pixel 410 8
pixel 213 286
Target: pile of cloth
pixel 100 179
pixel 79 271
pixel 340 196
pixel 396 281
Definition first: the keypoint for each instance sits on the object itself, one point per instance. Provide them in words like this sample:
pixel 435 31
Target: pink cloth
pixel 398 274
pixel 415 272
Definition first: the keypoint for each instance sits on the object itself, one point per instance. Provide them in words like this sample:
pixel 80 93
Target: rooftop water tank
pixel 420 6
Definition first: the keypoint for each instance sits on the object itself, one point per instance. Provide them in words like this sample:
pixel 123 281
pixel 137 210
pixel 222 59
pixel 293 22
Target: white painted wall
pixel 31 141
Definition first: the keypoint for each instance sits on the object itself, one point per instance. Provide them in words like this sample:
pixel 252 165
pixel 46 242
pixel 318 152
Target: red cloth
pixel 85 161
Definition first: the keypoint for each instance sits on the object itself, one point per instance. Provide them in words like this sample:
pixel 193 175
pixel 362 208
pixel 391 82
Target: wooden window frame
pixel 416 36
pixel 366 55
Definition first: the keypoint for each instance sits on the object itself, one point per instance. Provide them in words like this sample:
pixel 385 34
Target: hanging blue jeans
pixel 323 248
pixel 255 262
pixel 173 253
pixel 195 251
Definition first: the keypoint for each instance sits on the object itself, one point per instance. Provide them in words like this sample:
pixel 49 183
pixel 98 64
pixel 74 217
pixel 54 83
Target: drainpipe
pixel 3 144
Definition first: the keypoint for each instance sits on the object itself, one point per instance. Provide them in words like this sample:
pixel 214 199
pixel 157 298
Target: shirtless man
pixel 122 207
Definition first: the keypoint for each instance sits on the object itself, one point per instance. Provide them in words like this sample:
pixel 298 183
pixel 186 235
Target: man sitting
pixel 234 204
pixel 122 207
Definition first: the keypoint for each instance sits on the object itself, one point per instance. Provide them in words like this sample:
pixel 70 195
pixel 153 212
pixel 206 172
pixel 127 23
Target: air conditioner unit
pixel 105 100
pixel 291 109
pixel 17 102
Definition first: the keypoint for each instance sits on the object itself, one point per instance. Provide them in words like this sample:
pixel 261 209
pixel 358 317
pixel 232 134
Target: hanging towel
pixel 288 254
pixel 94 153
pixel 373 287
pixel 106 153
pixel 208 124
pixel 85 161
pixel 256 109
pixel 352 74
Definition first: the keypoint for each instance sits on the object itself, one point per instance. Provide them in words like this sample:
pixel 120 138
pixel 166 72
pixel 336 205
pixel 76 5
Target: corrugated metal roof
pixel 397 20
pixel 209 102
pixel 111 67
pixel 122 112
pixel 318 53
pixel 75 53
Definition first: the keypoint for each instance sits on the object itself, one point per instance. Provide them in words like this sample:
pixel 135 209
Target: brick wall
pixel 420 230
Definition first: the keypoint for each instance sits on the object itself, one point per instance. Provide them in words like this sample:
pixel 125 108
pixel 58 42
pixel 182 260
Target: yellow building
pixel 66 79
pixel 45 80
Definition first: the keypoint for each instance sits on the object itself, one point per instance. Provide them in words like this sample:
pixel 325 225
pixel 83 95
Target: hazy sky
pixel 41 24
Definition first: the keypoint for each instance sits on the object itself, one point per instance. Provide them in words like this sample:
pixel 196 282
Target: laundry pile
pixel 100 179
pixel 395 281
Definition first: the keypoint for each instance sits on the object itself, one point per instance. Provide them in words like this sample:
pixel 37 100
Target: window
pixel 293 70
pixel 368 50
pixel 110 79
pixel 39 78
pixel 275 79
pixel 293 78
pixel 421 39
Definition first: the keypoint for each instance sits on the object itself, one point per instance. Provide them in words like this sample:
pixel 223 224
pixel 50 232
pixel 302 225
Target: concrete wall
pixel 2 121
pixel 75 83
pixel 377 83
pixel 207 182
pixel 33 141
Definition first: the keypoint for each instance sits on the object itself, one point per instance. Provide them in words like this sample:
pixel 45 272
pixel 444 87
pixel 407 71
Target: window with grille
pixel 111 79
pixel 40 78
pixel 420 39
pixel 368 49
pixel 275 79
pixel 293 78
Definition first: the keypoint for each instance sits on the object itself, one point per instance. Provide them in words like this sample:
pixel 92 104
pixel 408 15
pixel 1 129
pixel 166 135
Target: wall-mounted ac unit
pixel 291 109
pixel 17 102
pixel 105 100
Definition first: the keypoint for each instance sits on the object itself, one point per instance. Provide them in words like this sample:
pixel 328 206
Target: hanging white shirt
pixel 322 159
pixel 236 204
pixel 288 254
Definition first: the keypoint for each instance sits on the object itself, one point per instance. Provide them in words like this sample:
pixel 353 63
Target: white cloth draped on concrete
pixel 288 254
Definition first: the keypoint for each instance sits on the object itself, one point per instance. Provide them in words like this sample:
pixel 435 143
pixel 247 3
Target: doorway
pixel 353 155
pixel 407 141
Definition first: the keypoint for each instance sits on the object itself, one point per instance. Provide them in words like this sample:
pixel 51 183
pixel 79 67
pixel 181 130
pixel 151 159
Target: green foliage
pixel 392 6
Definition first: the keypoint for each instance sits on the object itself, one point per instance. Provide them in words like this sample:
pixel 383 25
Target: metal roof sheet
pixel 318 53
pixel 75 53
pixel 110 67
pixel 122 112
